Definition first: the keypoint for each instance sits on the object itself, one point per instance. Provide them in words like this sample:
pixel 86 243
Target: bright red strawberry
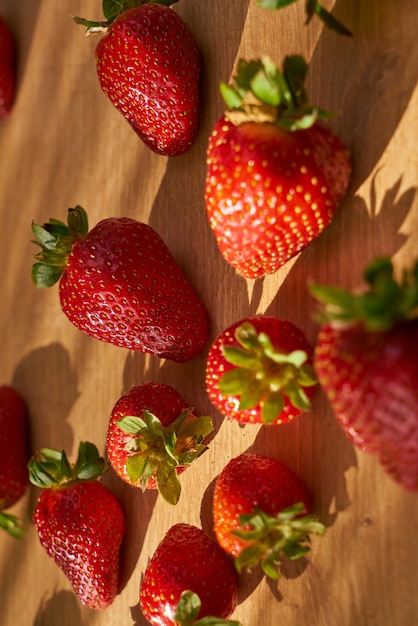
pixel 148 64
pixel 312 8
pixel 80 522
pixel 187 560
pixel 14 455
pixel 259 370
pixel 275 175
pixel 7 68
pixel 119 283
pixel 153 436
pixel 366 362
pixel 261 511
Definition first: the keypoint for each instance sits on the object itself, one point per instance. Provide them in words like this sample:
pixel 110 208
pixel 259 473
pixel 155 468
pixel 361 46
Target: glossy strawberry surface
pixel 81 528
pixel 14 446
pixel 371 381
pixel 285 337
pixel 187 559
pixel 249 482
pixel 148 64
pixel 270 192
pixel 7 68
pixel 121 285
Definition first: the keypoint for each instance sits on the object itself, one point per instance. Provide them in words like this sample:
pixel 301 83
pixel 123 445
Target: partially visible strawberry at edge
pixel 7 68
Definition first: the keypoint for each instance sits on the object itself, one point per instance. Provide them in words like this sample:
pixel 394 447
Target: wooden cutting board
pixel 64 144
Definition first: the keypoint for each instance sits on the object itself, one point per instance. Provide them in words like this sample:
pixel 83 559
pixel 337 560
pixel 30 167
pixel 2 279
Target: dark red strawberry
pixel 80 522
pixel 14 455
pixel 275 174
pixel 148 64
pixel 119 283
pixel 261 511
pixel 366 362
pixel 259 370
pixel 7 68
pixel 187 560
pixel 153 436
pixel 312 8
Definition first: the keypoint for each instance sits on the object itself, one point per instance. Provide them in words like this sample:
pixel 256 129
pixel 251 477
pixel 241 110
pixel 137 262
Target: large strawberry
pixel 312 7
pixel 153 436
pixel 261 512
pixel 188 578
pixel 80 522
pixel 259 370
pixel 14 455
pixel 119 283
pixel 148 64
pixel 275 174
pixel 366 362
pixel 7 68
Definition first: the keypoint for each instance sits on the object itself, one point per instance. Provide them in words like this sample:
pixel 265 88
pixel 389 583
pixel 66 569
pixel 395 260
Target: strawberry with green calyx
pixel 312 7
pixel 259 370
pixel 14 456
pixel 153 437
pixel 261 512
pixel 188 580
pixel 366 363
pixel 80 523
pixel 7 69
pixel 275 173
pixel 148 64
pixel 119 283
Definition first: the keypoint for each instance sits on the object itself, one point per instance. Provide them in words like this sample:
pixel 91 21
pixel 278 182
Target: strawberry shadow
pixel 62 605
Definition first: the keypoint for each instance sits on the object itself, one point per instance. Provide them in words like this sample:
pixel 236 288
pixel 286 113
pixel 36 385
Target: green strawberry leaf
pixel 272 406
pixel 187 612
pixel 11 524
pixel 168 483
pixel 51 468
pixel 312 7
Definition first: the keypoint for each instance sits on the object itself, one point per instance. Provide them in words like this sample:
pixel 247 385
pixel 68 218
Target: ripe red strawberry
pixel 119 283
pixel 80 522
pixel 187 560
pixel 261 511
pixel 312 7
pixel 153 436
pixel 7 68
pixel 14 455
pixel 259 370
pixel 366 362
pixel 148 64
pixel 275 174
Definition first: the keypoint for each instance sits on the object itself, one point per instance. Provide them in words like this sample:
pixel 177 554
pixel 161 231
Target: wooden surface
pixel 63 145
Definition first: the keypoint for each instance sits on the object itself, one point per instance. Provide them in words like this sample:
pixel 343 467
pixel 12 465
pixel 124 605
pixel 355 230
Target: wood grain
pixel 64 144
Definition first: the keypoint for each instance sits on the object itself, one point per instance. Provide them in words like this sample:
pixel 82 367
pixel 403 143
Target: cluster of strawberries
pixel 276 175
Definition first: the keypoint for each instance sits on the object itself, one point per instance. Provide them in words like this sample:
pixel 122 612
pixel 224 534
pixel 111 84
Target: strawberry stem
pixel 269 538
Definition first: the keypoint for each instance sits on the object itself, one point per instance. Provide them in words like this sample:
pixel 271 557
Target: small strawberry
pixel 119 283
pixel 148 64
pixel 259 370
pixel 7 68
pixel 80 522
pixel 261 511
pixel 153 436
pixel 366 362
pixel 312 7
pixel 275 174
pixel 14 455
pixel 187 560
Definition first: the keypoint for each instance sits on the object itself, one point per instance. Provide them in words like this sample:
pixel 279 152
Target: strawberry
pixel 261 511
pixel 275 174
pixel 187 560
pixel 259 370
pixel 80 523
pixel 312 7
pixel 148 64
pixel 7 68
pixel 153 436
pixel 14 455
pixel 366 362
pixel 119 283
